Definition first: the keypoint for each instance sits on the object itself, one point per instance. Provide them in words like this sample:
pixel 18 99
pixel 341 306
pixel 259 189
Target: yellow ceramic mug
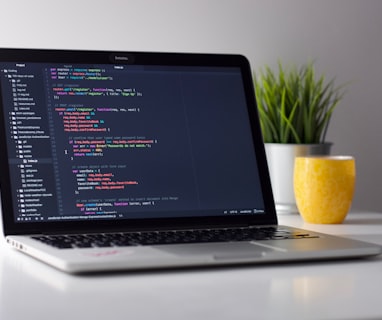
pixel 324 187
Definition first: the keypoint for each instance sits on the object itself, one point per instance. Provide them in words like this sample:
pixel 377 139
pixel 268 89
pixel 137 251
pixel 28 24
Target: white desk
pixel 324 290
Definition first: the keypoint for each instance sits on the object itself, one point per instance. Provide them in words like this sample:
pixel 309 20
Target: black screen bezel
pixel 144 58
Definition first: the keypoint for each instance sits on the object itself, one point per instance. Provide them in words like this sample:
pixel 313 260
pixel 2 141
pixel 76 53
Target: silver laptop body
pixel 103 145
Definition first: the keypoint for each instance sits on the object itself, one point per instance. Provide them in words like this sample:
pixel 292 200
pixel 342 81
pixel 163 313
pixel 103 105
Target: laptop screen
pixel 110 141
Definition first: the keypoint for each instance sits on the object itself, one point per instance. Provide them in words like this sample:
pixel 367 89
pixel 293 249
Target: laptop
pixel 139 160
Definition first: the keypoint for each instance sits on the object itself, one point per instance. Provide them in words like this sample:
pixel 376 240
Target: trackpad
pixel 219 251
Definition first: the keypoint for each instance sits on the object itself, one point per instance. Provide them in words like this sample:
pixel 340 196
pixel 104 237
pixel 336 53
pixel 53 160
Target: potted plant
pixel 295 108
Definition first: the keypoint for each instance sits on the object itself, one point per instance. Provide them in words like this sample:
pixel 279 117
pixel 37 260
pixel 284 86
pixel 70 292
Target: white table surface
pixel 320 290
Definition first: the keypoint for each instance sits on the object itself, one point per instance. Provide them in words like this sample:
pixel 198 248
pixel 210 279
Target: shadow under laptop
pixel 46 291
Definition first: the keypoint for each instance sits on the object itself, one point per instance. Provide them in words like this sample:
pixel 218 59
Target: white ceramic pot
pixel 280 159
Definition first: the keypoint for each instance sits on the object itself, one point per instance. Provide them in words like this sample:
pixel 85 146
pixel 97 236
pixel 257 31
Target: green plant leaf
pixel 294 106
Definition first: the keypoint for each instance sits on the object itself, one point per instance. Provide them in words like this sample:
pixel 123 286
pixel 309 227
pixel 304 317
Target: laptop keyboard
pixel 170 237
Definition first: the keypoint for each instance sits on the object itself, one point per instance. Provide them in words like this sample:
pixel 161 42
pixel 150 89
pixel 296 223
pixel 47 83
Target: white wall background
pixel 343 36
